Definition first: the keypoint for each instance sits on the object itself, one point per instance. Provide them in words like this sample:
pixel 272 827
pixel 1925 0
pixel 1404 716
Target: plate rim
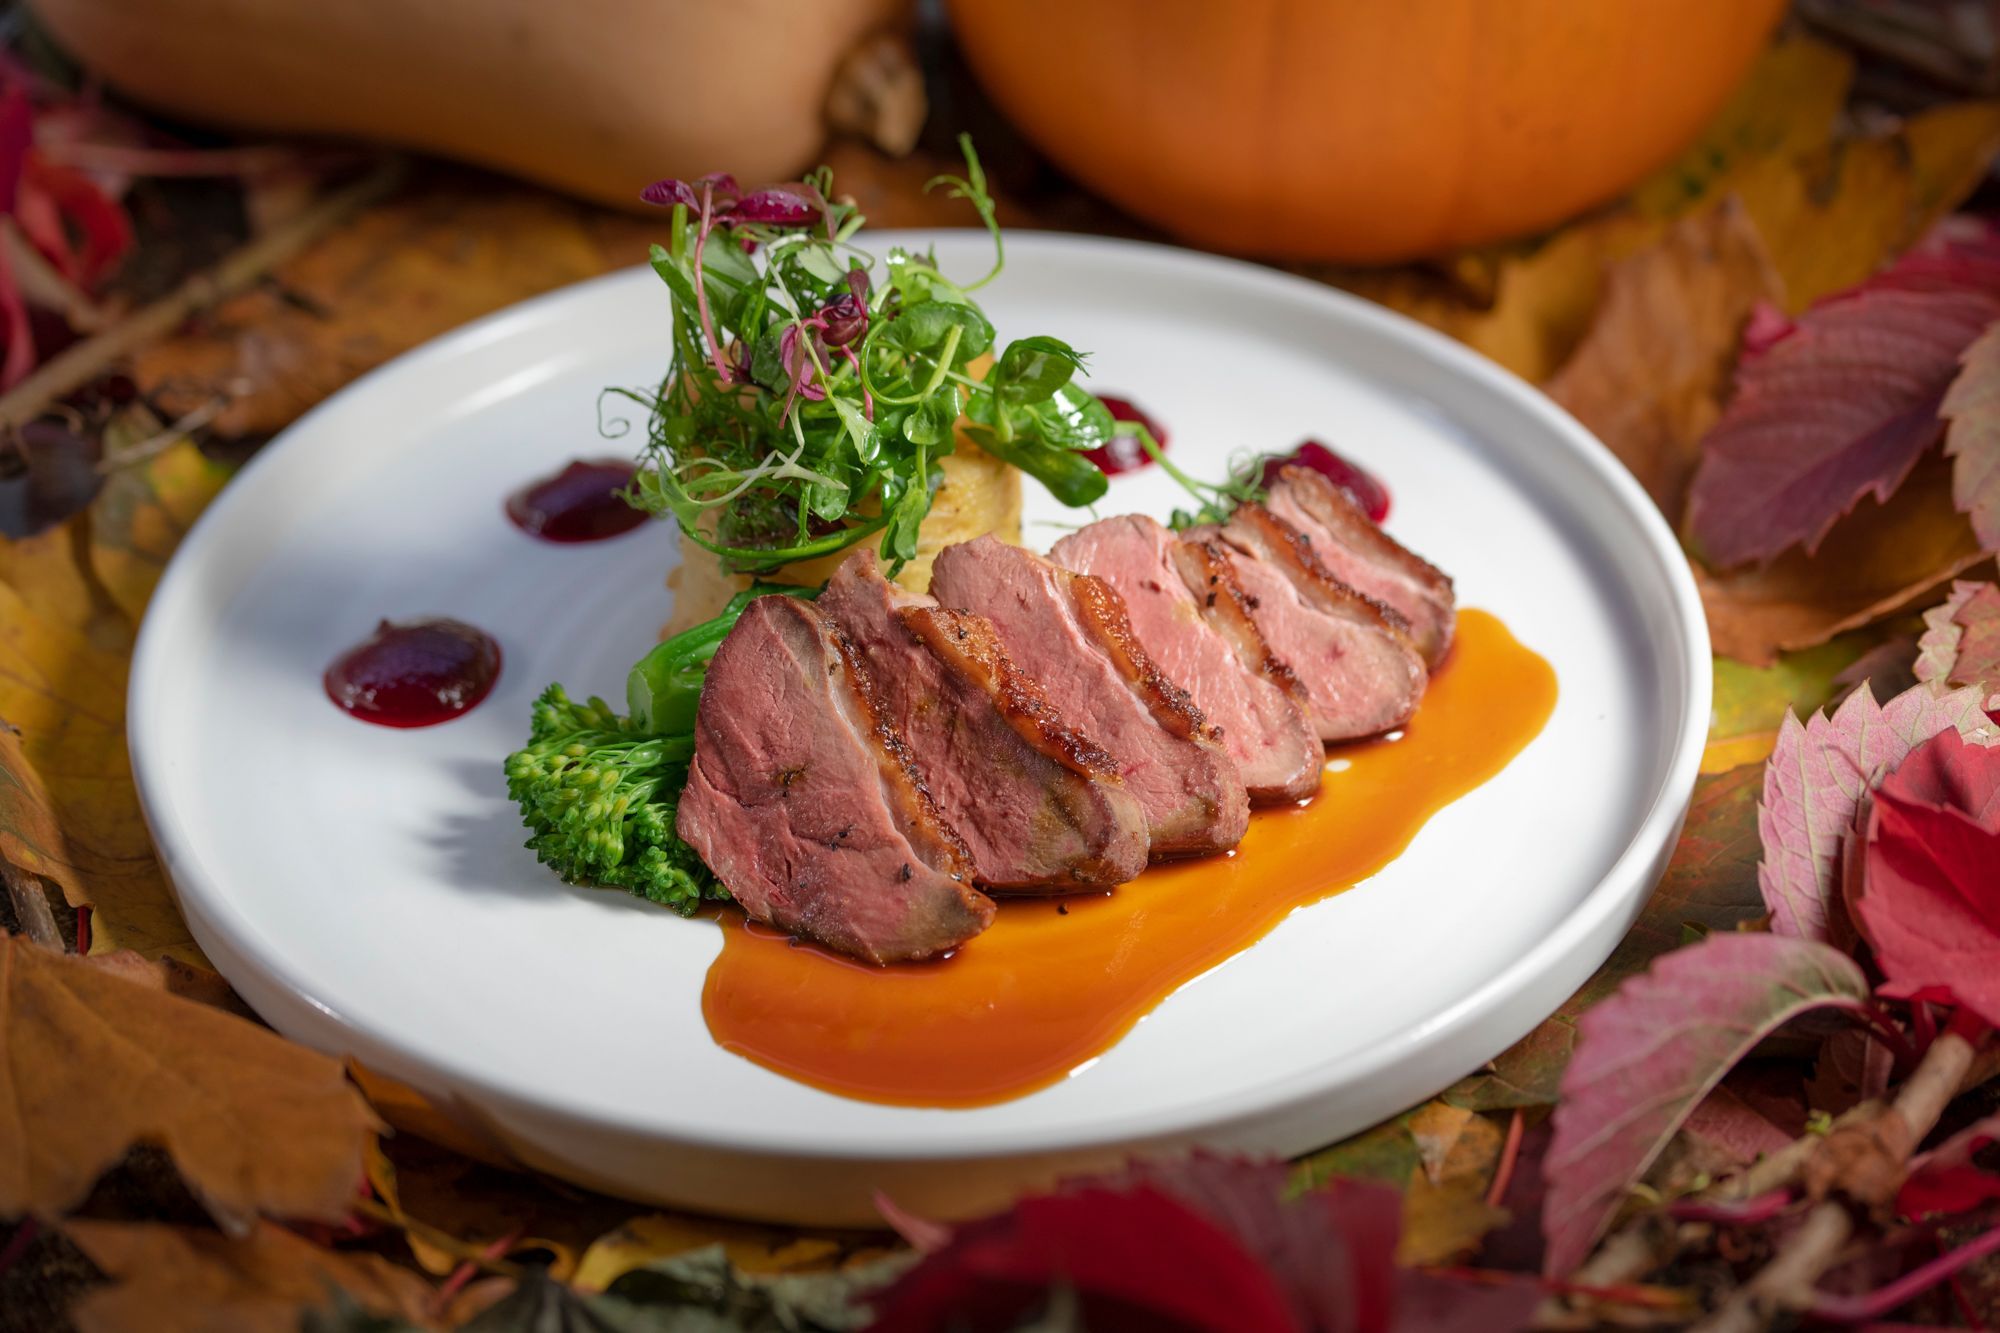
pixel 1623 887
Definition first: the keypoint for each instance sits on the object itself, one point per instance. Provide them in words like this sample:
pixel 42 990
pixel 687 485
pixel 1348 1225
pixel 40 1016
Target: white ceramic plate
pixel 365 889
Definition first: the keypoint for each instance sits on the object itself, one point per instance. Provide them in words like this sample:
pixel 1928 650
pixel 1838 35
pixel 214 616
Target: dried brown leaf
pixel 1880 559
pixel 1649 377
pixel 180 1280
pixel 93 1063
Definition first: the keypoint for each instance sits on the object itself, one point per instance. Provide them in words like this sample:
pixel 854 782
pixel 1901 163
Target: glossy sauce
pixel 1052 984
pixel 581 503
pixel 1124 453
pixel 415 673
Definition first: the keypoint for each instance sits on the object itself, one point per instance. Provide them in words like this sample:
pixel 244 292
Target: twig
pixel 443 1241
pixel 441 1298
pixel 165 438
pixel 1879 1302
pixel 41 284
pixel 1748 1213
pixel 1787 1281
pixel 83 362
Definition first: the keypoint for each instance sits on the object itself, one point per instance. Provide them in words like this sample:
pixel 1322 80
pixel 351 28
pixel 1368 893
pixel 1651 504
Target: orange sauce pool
pixel 1053 983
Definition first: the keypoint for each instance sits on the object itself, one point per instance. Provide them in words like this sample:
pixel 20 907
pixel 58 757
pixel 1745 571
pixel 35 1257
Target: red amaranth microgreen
pixel 813 389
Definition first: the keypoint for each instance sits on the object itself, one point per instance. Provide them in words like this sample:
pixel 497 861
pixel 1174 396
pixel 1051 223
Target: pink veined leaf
pixel 1813 787
pixel 1648 1054
pixel 1972 406
pixel 1930 897
pixel 1841 405
pixel 1961 640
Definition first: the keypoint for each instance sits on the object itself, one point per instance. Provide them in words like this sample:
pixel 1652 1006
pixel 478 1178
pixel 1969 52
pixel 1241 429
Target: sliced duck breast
pixel 1038 805
pixel 1071 634
pixel 1362 674
pixel 1360 554
pixel 1245 695
pixel 804 803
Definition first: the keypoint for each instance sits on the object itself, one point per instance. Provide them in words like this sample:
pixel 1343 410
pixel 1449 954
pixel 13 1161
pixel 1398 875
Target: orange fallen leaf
pixel 1649 377
pixel 1880 559
pixel 1445 1213
pixel 181 1280
pixel 93 1062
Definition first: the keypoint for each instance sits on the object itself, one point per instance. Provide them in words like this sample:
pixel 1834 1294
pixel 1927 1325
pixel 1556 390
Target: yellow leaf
pixel 1786 108
pixel 139 518
pixel 68 810
pixel 754 1249
pixel 1445 1213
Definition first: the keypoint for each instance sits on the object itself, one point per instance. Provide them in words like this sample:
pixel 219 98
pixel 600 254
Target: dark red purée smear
pixel 578 504
pixel 415 674
pixel 1124 454
pixel 1368 492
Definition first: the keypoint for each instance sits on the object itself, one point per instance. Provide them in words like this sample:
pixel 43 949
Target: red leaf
pixel 1930 898
pixel 106 231
pixel 1945 1179
pixel 1841 405
pixel 1961 641
pixel 17 135
pixel 1813 787
pixel 1648 1054
pixel 1137 1260
pixel 1327 1258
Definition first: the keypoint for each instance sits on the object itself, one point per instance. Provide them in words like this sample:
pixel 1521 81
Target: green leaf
pixel 1032 369
pixel 933 420
pixel 923 327
pixel 1069 476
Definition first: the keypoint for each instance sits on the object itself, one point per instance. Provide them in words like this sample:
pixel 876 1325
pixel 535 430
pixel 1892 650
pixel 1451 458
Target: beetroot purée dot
pixel 1367 490
pixel 1126 454
pixel 415 673
pixel 582 503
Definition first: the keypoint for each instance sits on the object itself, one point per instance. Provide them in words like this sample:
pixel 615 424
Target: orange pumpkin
pixel 1360 130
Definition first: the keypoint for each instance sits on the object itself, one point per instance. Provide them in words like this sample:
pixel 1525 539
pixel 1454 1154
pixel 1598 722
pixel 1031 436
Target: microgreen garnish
pixel 812 390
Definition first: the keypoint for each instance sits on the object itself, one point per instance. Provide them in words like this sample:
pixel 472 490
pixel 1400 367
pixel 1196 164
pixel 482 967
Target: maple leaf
pixel 1647 1055
pixel 1961 640
pixel 183 1280
pixel 1842 405
pixel 1813 787
pixel 1929 902
pixel 92 1063
pixel 1973 438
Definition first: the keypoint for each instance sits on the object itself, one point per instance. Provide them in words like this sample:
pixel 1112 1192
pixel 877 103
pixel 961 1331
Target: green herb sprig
pixel 813 391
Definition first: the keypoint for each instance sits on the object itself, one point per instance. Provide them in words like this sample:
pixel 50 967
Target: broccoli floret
pixel 598 791
pixel 598 795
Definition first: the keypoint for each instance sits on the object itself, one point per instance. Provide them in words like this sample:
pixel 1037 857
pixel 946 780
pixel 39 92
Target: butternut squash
pixel 596 97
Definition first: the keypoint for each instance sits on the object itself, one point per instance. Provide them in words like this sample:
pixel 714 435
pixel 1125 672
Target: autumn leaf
pixel 1929 901
pixel 1960 645
pixel 1946 1179
pixel 401 273
pixel 1813 788
pixel 1710 885
pixel 92 1063
pixel 1750 703
pixel 1648 1054
pixel 1445 1213
pixel 1972 408
pixel 1878 561
pixel 1648 377
pixel 1326 1255
pixel 68 810
pixel 1840 407
pixel 168 1279
pixel 144 510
